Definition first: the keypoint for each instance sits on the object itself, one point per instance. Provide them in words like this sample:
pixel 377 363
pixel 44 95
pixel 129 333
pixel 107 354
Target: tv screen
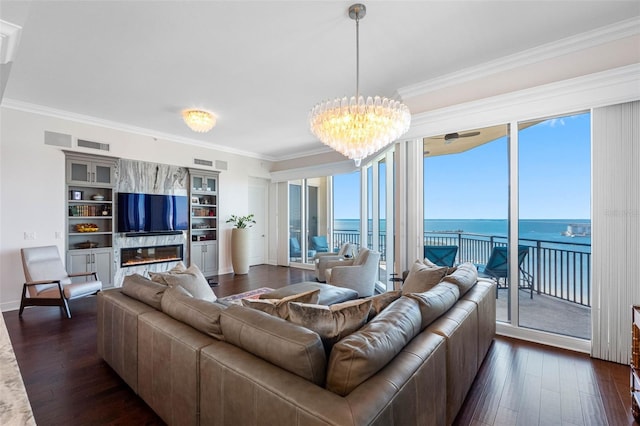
pixel 152 213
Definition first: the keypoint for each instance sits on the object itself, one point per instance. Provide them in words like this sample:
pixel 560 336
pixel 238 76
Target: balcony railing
pixel 558 269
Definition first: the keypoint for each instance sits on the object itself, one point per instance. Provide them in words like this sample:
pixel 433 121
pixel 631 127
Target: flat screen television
pixel 152 212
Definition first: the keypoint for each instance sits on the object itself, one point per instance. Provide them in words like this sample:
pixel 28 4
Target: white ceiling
pixel 261 66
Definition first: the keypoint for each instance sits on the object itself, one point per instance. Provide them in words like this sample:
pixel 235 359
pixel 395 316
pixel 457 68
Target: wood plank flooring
pixel 519 383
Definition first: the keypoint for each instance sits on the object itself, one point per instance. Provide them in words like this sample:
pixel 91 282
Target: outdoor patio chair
pixel 498 265
pixel 295 251
pixel 319 244
pixel 441 255
pixel 49 284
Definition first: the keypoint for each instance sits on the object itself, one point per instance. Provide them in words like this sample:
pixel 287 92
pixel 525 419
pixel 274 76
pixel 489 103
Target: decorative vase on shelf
pixel 240 242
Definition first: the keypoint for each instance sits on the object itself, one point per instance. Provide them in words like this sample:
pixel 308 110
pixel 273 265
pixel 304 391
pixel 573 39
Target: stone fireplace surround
pixel 148 178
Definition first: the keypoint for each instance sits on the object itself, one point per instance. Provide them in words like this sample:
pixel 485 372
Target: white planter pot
pixel 240 250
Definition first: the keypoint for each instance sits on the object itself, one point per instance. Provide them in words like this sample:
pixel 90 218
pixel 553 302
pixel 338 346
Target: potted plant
pixel 240 242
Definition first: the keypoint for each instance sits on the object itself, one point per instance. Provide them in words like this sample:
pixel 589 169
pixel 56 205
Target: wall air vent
pixel 201 162
pixel 57 139
pixel 93 145
pixel 221 165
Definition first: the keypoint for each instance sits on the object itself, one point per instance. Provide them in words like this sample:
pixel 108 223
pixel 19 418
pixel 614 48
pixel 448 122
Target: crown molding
pixel 590 91
pixel 93 121
pixel 317 170
pixel 586 40
pixel 309 153
pixel 9 38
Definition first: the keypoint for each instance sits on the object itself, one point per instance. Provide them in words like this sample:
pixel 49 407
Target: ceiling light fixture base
pixel 357 11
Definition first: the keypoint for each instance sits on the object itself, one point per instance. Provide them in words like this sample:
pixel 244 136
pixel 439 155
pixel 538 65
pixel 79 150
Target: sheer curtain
pixel 616 228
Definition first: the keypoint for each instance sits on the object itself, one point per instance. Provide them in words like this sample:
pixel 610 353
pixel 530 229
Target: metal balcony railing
pixel 558 269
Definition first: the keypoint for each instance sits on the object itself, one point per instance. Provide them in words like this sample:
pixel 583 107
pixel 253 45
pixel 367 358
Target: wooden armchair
pixel 48 283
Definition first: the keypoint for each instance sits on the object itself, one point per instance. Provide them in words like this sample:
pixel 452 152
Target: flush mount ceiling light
pixel 199 120
pixel 356 127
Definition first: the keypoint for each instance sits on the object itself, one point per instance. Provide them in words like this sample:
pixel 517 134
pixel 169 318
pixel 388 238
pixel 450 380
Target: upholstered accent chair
pixel 359 274
pixel 324 259
pixel 49 284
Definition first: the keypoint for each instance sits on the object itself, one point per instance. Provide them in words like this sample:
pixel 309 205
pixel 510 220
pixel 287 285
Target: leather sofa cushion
pixel 280 307
pixel 144 290
pixel 435 302
pixel 331 322
pixel 380 301
pixel 199 314
pixel 465 277
pixel 329 294
pixel 362 354
pixel 422 277
pixel 287 345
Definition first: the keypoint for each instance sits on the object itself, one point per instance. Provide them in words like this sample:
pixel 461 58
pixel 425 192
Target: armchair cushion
pixel 72 291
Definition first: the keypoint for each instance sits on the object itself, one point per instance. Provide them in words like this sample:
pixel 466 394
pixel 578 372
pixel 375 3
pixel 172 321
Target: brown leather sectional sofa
pixel 261 370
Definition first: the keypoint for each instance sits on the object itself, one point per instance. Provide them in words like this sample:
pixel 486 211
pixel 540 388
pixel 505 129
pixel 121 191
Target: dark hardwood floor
pixel 519 382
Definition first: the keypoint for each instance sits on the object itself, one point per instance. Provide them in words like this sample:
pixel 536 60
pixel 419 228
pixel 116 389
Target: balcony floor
pixel 548 313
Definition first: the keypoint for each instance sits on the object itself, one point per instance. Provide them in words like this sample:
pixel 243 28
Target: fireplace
pixel 135 256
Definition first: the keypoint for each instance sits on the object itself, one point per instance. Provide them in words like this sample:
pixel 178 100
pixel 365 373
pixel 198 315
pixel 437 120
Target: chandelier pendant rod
pixel 357 57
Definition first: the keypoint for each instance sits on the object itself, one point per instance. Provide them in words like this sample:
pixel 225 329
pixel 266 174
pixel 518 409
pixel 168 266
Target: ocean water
pixel 534 229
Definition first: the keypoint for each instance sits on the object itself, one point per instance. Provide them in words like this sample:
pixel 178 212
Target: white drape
pixel 615 228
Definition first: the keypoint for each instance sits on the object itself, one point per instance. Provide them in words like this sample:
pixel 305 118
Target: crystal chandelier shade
pixel 199 120
pixel 357 130
pixel 358 127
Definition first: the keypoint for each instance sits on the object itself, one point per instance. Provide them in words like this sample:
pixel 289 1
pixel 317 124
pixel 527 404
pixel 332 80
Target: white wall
pixel 32 184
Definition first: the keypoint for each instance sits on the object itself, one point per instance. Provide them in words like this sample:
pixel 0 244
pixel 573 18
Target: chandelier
pixel 199 120
pixel 358 127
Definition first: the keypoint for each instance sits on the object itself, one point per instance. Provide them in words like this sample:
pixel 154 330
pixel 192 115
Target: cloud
pixel 555 122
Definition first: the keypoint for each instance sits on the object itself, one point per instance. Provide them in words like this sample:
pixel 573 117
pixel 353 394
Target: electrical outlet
pixel 58 235
pixel 29 235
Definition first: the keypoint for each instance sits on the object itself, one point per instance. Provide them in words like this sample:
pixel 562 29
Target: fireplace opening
pixel 134 256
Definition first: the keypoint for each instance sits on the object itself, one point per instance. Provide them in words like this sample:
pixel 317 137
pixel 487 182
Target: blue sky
pixel 555 177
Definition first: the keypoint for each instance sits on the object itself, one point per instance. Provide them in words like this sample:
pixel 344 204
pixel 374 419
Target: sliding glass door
pixel 466 191
pixel 380 214
pixel 308 221
pixel 536 246
pixel 554 182
pixel 346 209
